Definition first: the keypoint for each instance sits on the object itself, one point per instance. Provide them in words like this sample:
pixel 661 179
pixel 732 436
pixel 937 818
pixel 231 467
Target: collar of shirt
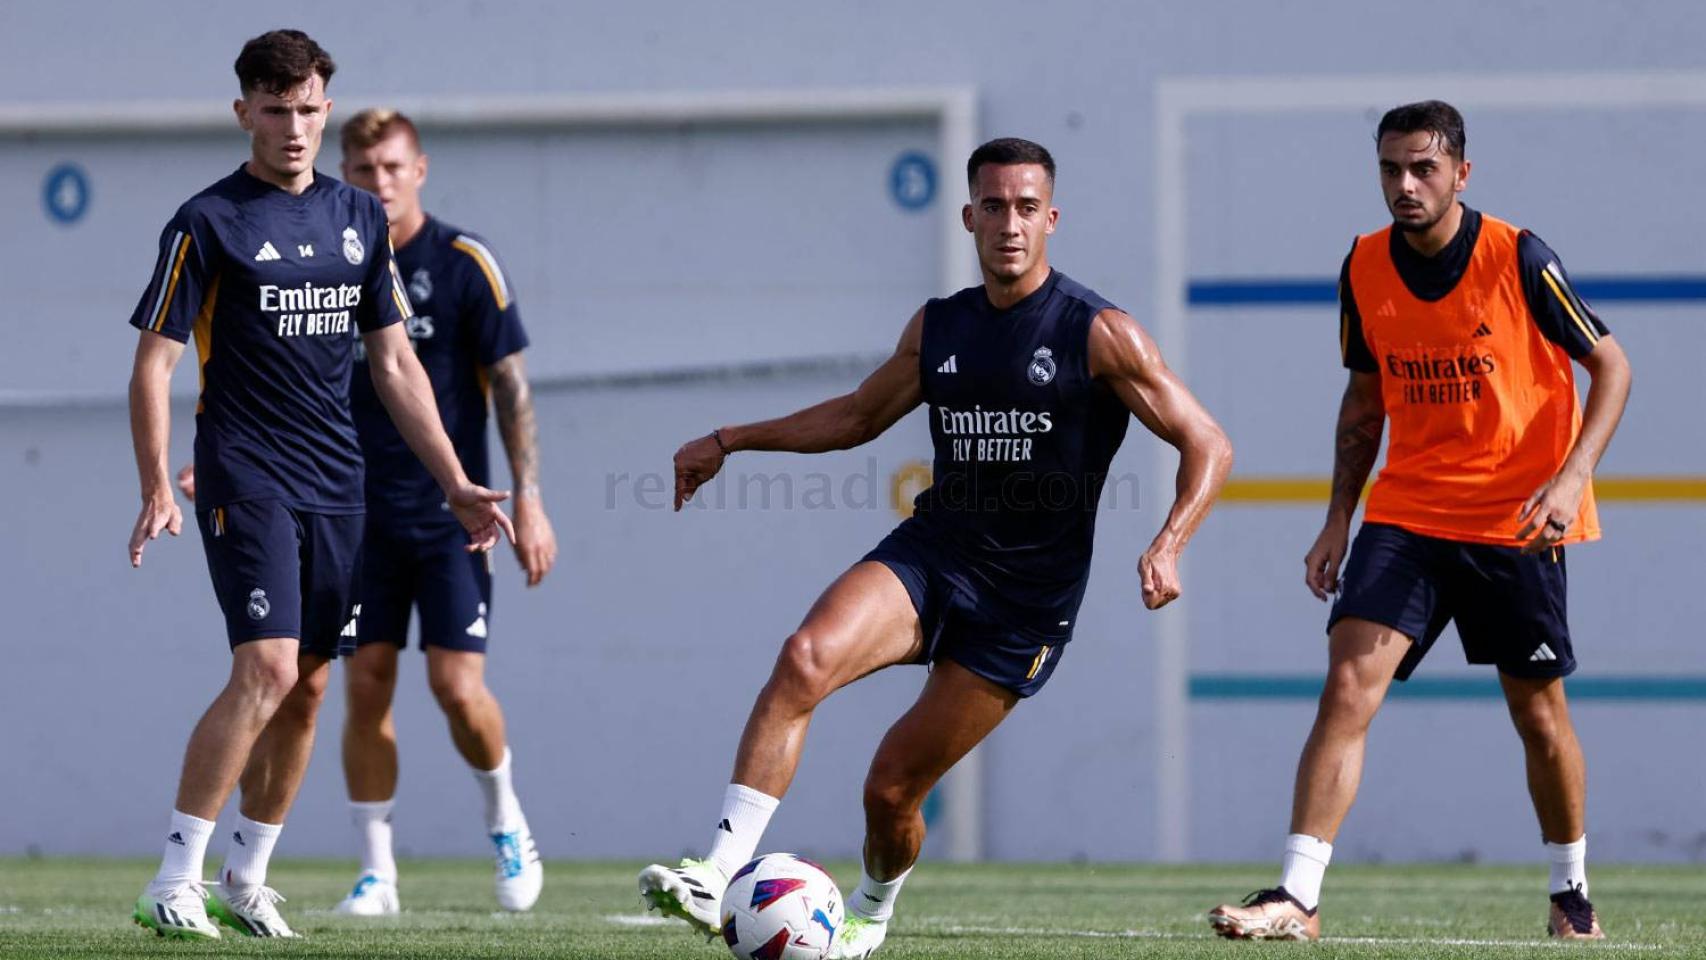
pixel 1431 278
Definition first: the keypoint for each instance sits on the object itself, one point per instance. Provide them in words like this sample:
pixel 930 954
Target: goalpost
pixel 952 111
pixel 1179 99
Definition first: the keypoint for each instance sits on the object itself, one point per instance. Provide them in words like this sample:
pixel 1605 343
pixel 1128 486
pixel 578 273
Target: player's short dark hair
pixel 1431 116
pixel 1006 151
pixel 279 61
pixel 376 125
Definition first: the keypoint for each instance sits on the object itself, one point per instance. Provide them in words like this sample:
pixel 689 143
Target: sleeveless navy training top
pixel 1023 439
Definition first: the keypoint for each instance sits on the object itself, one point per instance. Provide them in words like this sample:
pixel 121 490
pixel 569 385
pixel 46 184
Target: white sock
pixel 251 848
pixel 746 813
pixel 503 809
pixel 1303 868
pixel 874 900
pixel 373 831
pixel 1569 865
pixel 186 848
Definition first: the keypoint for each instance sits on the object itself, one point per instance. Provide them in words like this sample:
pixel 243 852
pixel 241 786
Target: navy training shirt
pixel 465 320
pixel 273 285
pixel 1023 437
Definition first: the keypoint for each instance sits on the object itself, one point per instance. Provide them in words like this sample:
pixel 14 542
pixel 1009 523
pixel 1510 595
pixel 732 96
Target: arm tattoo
pixel 512 399
pixel 1355 450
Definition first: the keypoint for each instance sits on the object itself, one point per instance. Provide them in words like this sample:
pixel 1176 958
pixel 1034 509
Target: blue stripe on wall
pixel 1308 687
pixel 1679 288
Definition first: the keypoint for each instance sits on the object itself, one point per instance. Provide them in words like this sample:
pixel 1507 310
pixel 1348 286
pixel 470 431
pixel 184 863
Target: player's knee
pixel 302 704
pixel 371 674
pixel 1537 723
pixel 456 693
pixel 369 699
pixel 369 687
pixel 312 685
pixel 1348 699
pixel 267 679
pixel 802 674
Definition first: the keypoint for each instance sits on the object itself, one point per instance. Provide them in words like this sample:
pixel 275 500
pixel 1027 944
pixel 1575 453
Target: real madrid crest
pixel 1041 371
pixel 420 286
pixel 258 605
pixel 354 252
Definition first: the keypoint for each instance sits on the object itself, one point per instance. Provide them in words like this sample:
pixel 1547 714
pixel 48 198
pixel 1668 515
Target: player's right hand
pixel 158 513
pixel 186 481
pixel 695 464
pixel 1321 563
pixel 477 509
pixel 535 541
pixel 1158 571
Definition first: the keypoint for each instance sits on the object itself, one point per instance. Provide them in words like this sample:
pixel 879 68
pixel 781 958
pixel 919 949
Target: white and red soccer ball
pixel 781 907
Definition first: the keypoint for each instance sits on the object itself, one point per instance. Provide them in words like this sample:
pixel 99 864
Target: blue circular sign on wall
pixel 65 193
pixel 912 180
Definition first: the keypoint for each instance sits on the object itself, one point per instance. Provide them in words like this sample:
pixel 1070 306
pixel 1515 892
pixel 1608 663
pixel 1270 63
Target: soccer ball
pixel 781 907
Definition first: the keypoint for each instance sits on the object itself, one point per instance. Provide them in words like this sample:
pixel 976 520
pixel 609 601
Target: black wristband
pixel 717 435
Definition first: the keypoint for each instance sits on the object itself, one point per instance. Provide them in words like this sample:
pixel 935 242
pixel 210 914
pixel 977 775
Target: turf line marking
pixel 1462 942
pixel 1368 941
pixel 636 920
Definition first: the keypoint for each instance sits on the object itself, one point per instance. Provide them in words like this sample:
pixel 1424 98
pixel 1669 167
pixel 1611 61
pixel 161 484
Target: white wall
pixel 628 675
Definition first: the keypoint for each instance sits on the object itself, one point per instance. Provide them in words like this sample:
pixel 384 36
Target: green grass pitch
pixel 81 908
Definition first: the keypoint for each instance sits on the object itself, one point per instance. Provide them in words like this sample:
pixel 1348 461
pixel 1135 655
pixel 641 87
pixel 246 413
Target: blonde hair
pixel 376 125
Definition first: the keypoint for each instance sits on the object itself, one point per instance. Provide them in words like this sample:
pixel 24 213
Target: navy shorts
pixel 1509 606
pixel 957 629
pixel 427 568
pixel 282 572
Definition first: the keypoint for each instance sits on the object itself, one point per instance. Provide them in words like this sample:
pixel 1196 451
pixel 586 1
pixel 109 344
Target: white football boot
pixel 178 912
pixel 859 938
pixel 692 891
pixel 520 875
pixel 251 911
pixel 372 896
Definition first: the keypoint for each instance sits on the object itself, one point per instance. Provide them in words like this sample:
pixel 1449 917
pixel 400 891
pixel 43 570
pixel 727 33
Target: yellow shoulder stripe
pixel 1587 330
pixel 171 286
pixel 399 296
pixel 488 266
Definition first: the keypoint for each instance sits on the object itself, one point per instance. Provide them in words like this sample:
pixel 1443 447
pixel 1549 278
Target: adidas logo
pixel 724 826
pixel 176 838
pixel 1483 331
pixel 268 252
pixel 237 835
pixel 477 629
pixel 1542 654
pixel 349 629
pixel 952 366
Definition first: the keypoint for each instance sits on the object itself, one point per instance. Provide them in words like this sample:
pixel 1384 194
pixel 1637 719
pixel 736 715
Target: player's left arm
pixel 512 401
pixel 1548 513
pixel 1123 356
pixel 1567 320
